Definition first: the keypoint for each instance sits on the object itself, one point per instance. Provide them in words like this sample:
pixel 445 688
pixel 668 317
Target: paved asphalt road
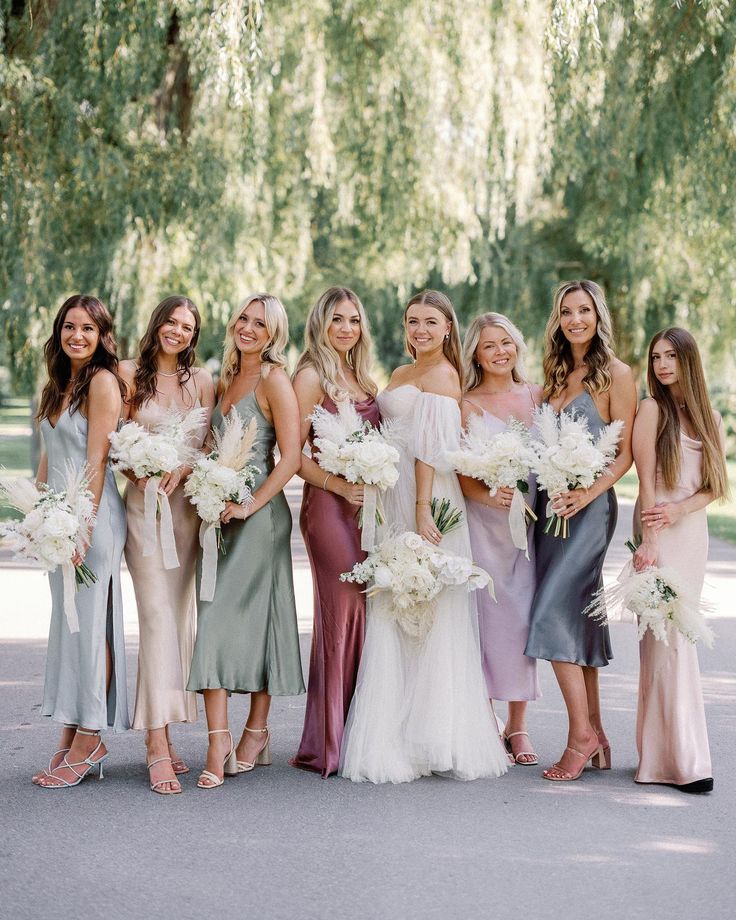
pixel 281 843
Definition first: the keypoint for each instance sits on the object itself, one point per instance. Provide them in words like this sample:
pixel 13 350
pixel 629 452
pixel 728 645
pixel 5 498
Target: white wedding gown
pixel 422 708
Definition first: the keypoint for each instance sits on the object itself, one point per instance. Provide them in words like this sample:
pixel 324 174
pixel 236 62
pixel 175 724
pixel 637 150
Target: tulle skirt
pixel 421 708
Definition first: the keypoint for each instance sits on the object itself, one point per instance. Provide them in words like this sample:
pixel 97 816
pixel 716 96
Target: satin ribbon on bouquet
pixel 69 581
pixel 208 542
pixel 370 510
pixel 154 501
pixel 517 522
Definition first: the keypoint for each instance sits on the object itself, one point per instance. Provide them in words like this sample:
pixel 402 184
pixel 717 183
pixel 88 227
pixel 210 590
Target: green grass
pixel 721 518
pixel 15 443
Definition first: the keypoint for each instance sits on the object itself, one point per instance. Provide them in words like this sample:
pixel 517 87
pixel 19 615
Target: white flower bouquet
pixel 501 460
pixel 151 453
pixel 351 447
pixel 569 457
pixel 414 572
pixel 221 477
pixel 55 526
pixel 656 599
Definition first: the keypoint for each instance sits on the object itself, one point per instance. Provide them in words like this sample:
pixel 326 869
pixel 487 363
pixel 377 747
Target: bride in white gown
pixel 421 707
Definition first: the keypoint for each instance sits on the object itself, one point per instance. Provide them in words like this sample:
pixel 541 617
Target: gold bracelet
pixel 324 484
pixel 423 501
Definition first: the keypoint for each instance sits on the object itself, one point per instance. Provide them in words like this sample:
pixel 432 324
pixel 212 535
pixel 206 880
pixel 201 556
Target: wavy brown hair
pixel 319 353
pixel 691 379
pixel 451 347
pixel 58 365
pixel 558 361
pixel 144 381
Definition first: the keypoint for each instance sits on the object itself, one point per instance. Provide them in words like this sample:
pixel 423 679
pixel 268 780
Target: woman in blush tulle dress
pixel 497 389
pixel 334 366
pixel 421 707
pixel 85 686
pixel 679 453
pixel 164 376
pixel 581 375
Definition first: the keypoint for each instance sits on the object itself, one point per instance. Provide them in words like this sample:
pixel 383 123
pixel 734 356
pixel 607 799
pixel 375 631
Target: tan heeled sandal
pixel 163 782
pixel 263 757
pixel 596 755
pixel 522 763
pixel 229 765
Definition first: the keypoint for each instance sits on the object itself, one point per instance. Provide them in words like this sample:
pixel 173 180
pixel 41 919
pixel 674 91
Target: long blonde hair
pixel 558 361
pixel 451 347
pixel 320 354
pixel 277 326
pixel 691 380
pixel 473 372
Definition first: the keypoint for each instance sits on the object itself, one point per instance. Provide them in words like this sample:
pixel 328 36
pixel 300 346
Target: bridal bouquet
pixel 55 525
pixel 569 457
pixel 224 475
pixel 151 453
pixel 656 598
pixel 414 572
pixel 500 460
pixel 352 448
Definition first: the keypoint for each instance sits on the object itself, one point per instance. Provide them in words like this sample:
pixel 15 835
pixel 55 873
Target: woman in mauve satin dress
pixel 679 446
pixel 162 376
pixel 335 365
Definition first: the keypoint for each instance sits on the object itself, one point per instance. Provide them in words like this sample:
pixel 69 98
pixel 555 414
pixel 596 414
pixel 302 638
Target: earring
pixel 447 336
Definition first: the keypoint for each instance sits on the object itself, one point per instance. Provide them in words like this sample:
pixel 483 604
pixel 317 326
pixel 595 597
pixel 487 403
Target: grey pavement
pixel 282 843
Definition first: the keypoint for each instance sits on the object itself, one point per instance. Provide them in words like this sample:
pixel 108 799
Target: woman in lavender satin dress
pixel 679 452
pixel 335 365
pixel 497 389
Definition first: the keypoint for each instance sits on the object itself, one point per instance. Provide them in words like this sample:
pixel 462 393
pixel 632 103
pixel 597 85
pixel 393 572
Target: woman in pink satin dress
pixel 334 366
pixel 678 444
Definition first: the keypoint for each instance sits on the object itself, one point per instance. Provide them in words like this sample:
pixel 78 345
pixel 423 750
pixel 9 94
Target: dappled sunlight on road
pixel 689 845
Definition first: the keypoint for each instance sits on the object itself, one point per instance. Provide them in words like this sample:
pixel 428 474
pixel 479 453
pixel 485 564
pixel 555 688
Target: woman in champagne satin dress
pixel 679 453
pixel 334 366
pixel 162 376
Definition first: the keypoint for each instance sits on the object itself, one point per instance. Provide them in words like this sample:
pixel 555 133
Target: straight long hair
pixel 558 360
pixel 691 380
pixel 277 326
pixel 58 364
pixel 473 371
pixel 320 354
pixel 144 381
pixel 451 347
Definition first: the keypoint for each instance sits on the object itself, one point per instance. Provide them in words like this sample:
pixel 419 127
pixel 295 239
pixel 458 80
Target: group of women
pixel 381 706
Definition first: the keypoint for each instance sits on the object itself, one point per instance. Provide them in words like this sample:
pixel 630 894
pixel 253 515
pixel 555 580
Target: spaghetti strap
pixel 465 399
pixel 531 396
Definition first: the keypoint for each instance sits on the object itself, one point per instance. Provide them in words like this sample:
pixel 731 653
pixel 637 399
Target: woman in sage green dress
pixel 247 637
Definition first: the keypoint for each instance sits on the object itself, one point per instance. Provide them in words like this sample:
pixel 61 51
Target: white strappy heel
pixel 263 757
pixel 229 765
pixel 163 782
pixel 89 762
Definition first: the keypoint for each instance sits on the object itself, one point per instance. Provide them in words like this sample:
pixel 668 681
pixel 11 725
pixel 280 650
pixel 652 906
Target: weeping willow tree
pixel 490 148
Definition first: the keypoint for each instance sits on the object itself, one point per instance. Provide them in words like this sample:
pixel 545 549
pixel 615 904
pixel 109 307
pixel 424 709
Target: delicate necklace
pixel 162 374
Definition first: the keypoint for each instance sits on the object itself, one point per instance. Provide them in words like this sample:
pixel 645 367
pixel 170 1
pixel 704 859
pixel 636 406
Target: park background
pixel 489 149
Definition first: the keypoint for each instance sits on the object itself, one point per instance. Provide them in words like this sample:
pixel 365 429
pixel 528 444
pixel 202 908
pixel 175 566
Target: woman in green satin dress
pixel 247 637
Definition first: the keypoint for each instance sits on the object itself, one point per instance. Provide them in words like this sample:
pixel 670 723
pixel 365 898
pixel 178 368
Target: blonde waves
pixel 319 353
pixel 451 347
pixel 473 371
pixel 277 326
pixel 558 361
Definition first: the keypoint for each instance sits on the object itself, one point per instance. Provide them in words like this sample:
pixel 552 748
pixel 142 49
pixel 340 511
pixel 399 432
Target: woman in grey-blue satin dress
pixel 85 686
pixel 582 376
